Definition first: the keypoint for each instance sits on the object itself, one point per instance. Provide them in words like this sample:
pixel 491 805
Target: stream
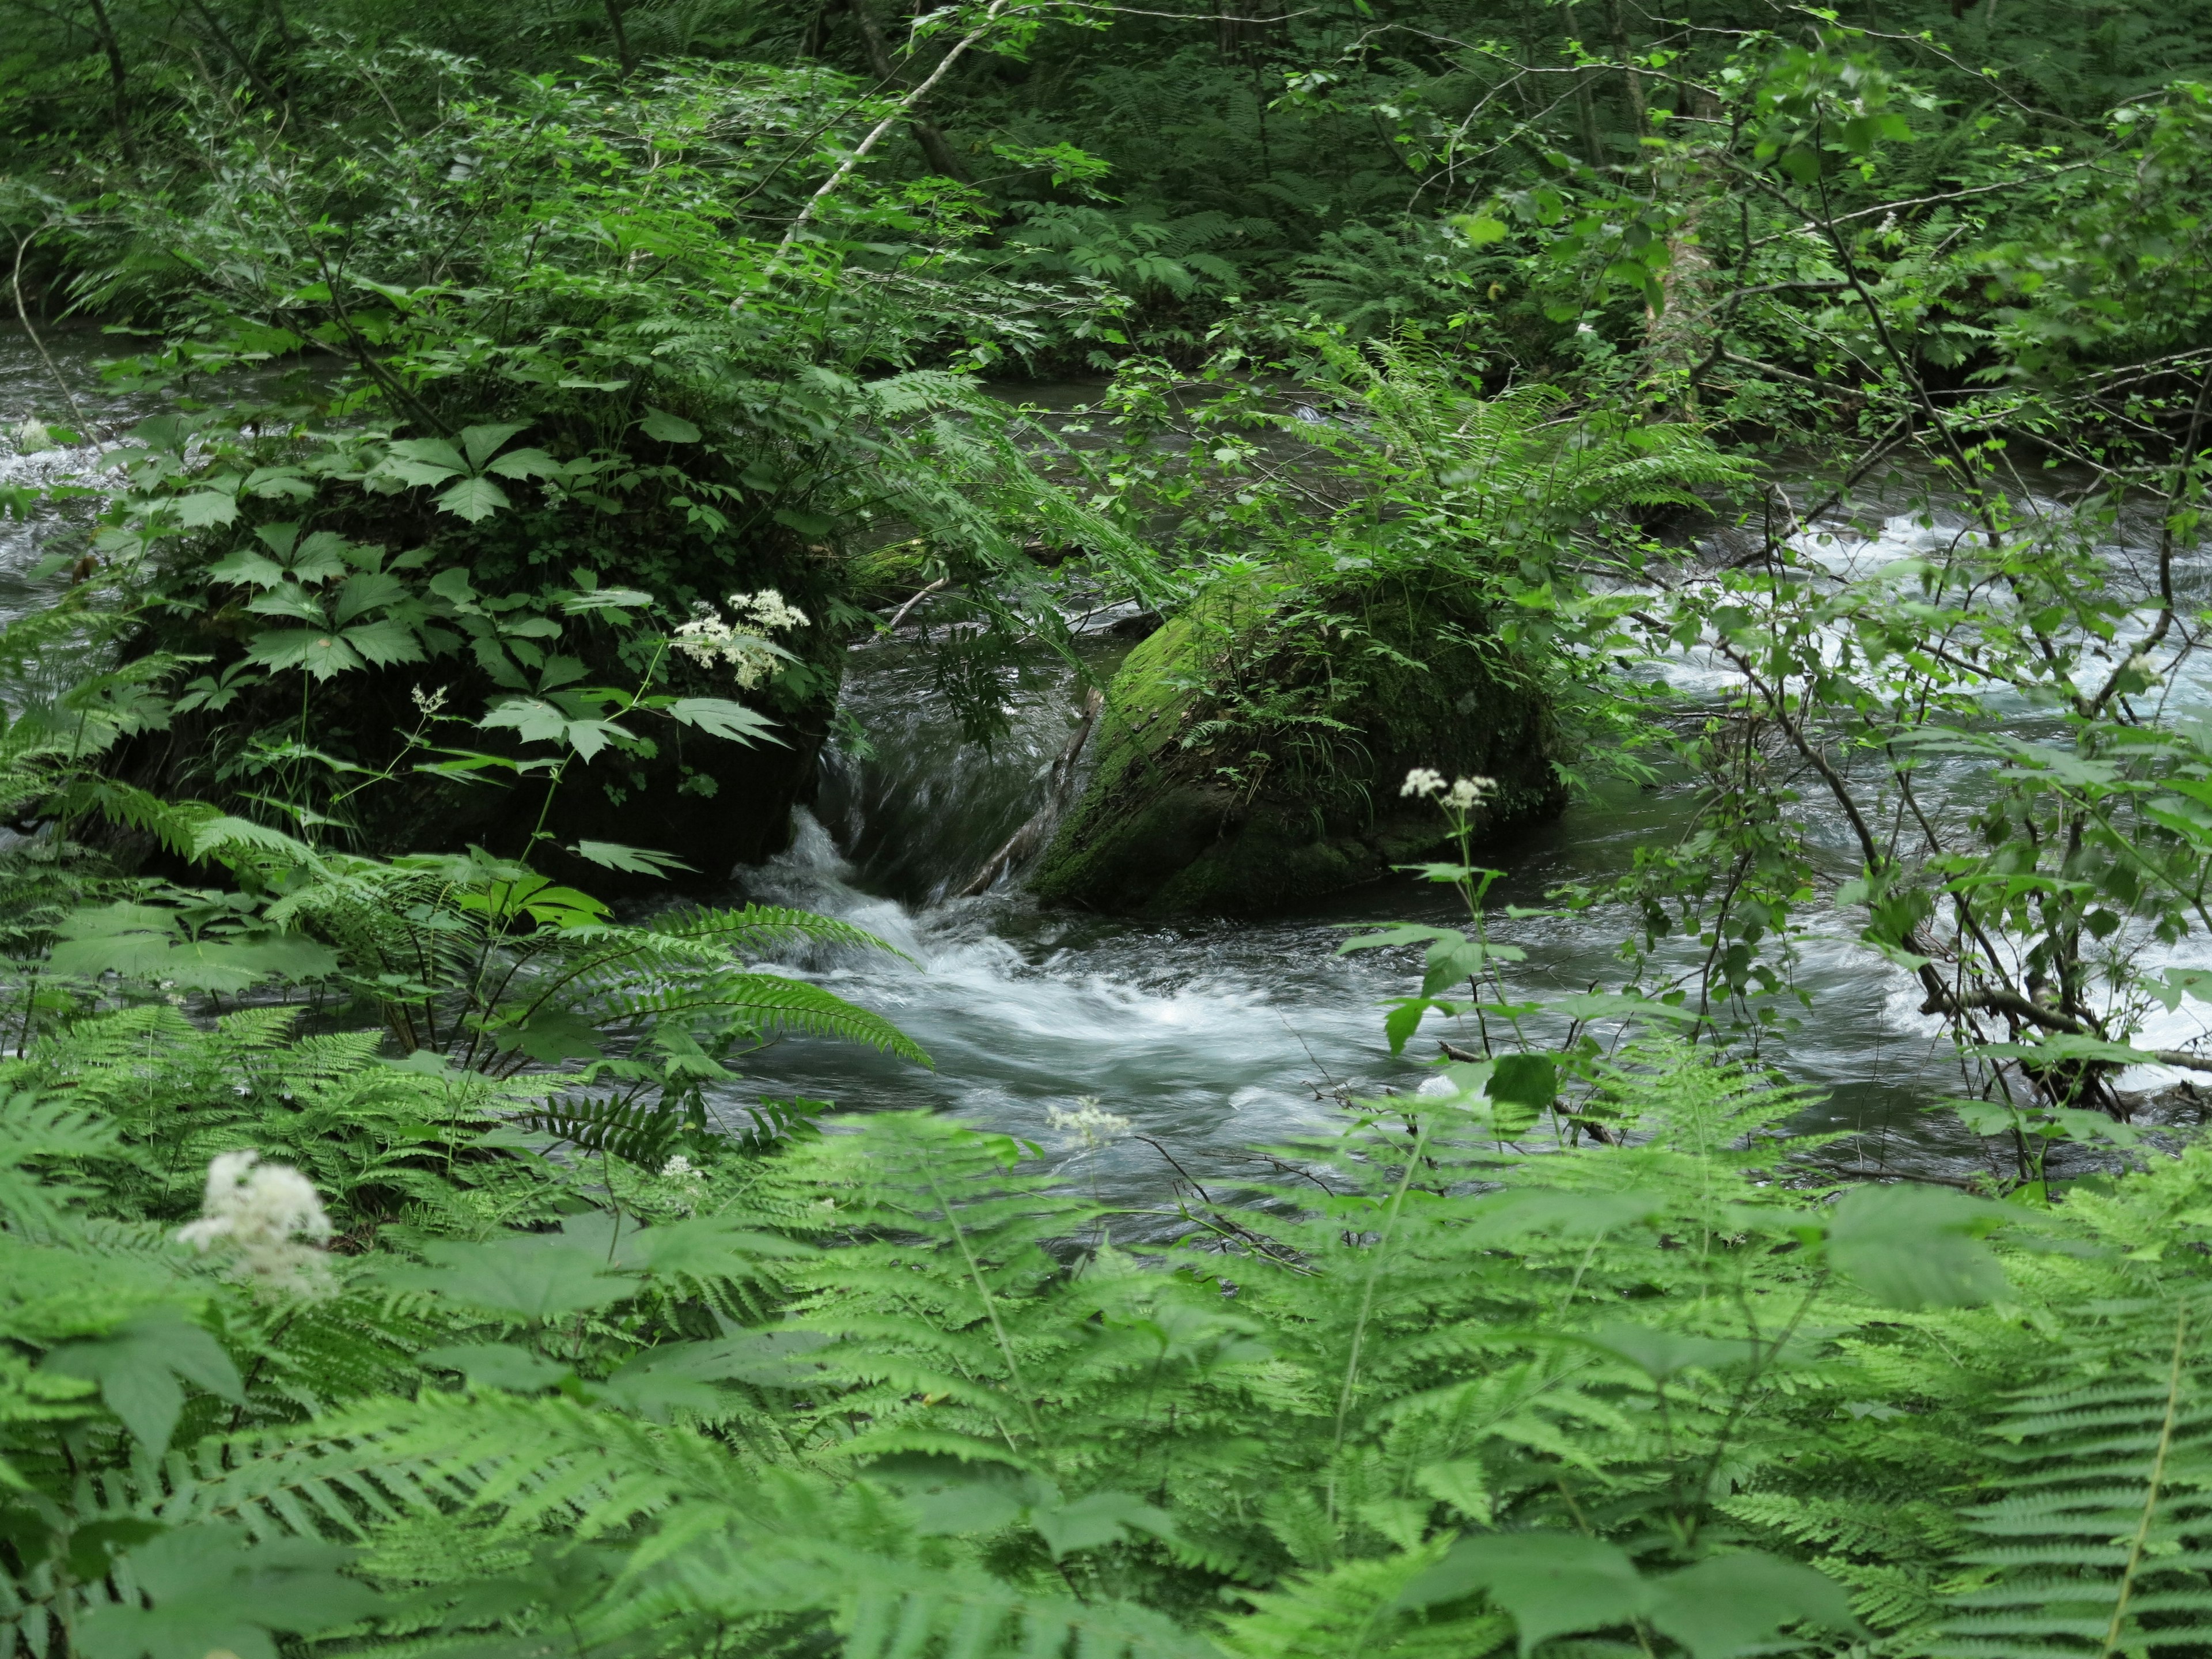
pixel 1212 1037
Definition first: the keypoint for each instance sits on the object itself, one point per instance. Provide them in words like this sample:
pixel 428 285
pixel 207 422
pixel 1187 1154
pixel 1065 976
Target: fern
pixel 2102 1541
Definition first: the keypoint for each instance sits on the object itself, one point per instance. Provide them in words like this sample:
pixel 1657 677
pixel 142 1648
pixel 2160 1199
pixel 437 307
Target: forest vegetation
pixel 506 419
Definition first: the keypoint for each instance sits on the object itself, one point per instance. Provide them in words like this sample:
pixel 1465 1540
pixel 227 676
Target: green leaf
pixel 551 1036
pixel 524 1277
pixel 1403 1020
pixel 289 599
pixel 668 429
pixel 1663 1354
pixel 324 655
pixel 369 591
pixel 205 508
pixel 536 720
pixel 481 442
pixel 1403 932
pixel 631 860
pixel 1915 1247
pixel 214 1590
pixel 137 1370
pixel 495 1365
pixel 473 499
pixel 1096 1518
pixel 384 642
pixel 425 460
pixel 1730 1604
pixel 772 1359
pixel 249 567
pixel 1530 1080
pixel 525 464
pixel 1519 1211
pixel 718 717
pixel 321 557
pixel 1550 1583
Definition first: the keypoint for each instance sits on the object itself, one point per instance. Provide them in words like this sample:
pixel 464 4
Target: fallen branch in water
pixel 1024 841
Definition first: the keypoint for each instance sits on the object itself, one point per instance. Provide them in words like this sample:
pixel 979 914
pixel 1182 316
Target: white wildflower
pixel 767 610
pixel 1090 1122
pixel 2140 663
pixel 32 435
pixel 260 1213
pixel 1423 782
pixel 1468 793
pixel 710 638
pixel 691 1182
pixel 429 701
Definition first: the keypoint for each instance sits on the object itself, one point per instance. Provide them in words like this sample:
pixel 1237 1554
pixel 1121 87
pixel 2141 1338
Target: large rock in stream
pixel 1242 765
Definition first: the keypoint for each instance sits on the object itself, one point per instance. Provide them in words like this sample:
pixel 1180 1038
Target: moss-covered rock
pixel 1247 761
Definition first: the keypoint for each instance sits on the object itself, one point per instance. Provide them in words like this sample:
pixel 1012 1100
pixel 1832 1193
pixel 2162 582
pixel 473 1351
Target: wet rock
pixel 1245 764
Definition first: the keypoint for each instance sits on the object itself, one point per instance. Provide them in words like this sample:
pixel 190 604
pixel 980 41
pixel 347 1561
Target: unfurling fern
pixel 2103 1543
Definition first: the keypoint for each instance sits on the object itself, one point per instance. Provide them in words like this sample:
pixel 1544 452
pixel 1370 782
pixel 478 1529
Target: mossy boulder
pixel 1248 762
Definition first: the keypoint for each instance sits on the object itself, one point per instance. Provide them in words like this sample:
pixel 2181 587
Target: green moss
pixel 1199 806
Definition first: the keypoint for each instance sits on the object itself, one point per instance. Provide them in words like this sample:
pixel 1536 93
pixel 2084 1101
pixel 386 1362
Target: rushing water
pixel 1217 1035
pixel 1212 1037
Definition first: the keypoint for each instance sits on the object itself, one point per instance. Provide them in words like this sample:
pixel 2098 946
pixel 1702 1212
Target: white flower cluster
pixel 1463 795
pixel 691 1182
pixel 260 1212
pixel 739 640
pixel 1090 1122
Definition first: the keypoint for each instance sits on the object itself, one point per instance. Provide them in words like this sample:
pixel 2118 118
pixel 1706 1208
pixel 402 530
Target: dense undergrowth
pixel 892 1387
pixel 544 400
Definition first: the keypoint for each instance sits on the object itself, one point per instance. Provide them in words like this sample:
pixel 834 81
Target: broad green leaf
pixel 137 1370
pixel 431 452
pixel 249 567
pixel 709 1247
pixel 523 1278
pixel 417 474
pixel 718 717
pixel 1403 932
pixel 384 642
pixel 321 557
pixel 1518 1212
pixel 550 1035
pixel 668 429
pixel 771 1359
pixel 365 592
pixel 525 464
pixel 325 655
pixel 495 1365
pixel 481 442
pixel 214 1590
pixel 1095 1519
pixel 1551 1583
pixel 1663 1354
pixel 631 860
pixel 1915 1247
pixel 1530 1080
pixel 205 508
pixel 474 500
pixel 535 720
pixel 1732 1604
pixel 289 599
